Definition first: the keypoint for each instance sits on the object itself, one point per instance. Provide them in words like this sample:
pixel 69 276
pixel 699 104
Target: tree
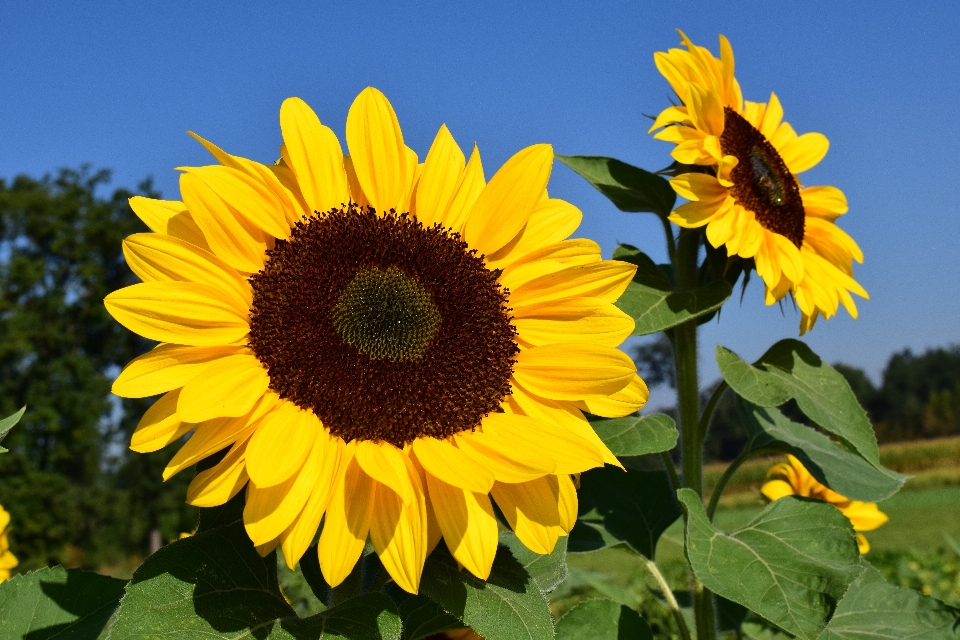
pixel 60 254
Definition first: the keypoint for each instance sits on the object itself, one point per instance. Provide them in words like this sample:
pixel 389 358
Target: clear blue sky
pixel 118 84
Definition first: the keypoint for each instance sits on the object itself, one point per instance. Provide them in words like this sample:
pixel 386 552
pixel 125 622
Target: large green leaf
pixel 629 506
pixel 7 423
pixel 215 585
pixel 58 603
pixel 633 436
pixel 791 564
pixel 629 188
pixel 872 609
pixel 549 570
pixel 506 606
pixel 653 304
pixel 835 466
pixel 422 618
pixel 789 369
pixel 602 620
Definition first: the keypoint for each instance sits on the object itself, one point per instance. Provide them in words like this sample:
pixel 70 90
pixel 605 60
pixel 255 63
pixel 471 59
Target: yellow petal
pixel 269 511
pixel 398 531
pixel 862 544
pixel 509 199
pixel 155 257
pixel 219 483
pixel 179 312
pixel 166 367
pixel 209 437
pixel 499 454
pixel 441 172
pixel 316 157
pixel 248 197
pixel 159 425
pixel 567 451
pixel 562 414
pixel 804 152
pixel 377 150
pixel 532 509
pixel 573 371
pixel 227 388
pixel 468 525
pixel 281 444
pixel 386 464
pixel 824 202
pixel 628 400
pixel 469 187
pixel 552 220
pixel 699 187
pixel 605 280
pixel 567 503
pixel 169 217
pixel 776 489
pixel 347 523
pixel 239 243
pixel 865 516
pixel 583 320
pixel 771 117
pixel 567 253
pixel 696 214
pixel 443 460
pixel 300 535
pixel 356 192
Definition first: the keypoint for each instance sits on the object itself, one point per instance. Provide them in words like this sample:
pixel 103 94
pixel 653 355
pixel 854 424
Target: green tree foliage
pixel 75 495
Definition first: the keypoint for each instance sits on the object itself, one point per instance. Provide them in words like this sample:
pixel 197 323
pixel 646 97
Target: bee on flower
pixel 793 479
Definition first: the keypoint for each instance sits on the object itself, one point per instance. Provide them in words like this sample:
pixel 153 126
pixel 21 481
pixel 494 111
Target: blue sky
pixel 118 84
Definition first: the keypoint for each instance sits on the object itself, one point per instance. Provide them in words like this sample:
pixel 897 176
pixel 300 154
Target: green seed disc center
pixel 386 315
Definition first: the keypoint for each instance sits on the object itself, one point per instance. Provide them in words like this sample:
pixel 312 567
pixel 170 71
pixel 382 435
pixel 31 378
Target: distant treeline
pixel 918 397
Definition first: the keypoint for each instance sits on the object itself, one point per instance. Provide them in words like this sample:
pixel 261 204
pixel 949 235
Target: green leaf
pixel 874 610
pixel 835 466
pixel 506 606
pixel 629 188
pixel 548 571
pixel 58 603
pixel 7 423
pixel 215 585
pixel 791 564
pixel 602 620
pixel 789 368
pixel 422 617
pixel 653 304
pixel 629 506
pixel 633 436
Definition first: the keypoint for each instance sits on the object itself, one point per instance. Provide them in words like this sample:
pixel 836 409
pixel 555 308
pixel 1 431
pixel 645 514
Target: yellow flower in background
pixel 456 634
pixel 7 560
pixel 793 479
pixel 378 342
pixel 752 200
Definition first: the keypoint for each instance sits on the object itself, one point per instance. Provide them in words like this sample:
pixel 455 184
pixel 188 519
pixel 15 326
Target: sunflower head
pixel 385 345
pixel 791 478
pixel 747 194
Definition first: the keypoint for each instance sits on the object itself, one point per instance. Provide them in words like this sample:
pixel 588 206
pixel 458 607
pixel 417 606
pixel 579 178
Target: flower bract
pixel 744 184
pixel 793 479
pixel 377 343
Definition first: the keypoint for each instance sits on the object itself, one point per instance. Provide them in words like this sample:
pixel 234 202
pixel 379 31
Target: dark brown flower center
pixel 387 330
pixel 762 183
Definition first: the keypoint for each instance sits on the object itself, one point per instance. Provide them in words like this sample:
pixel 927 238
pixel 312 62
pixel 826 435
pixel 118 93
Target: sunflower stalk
pixel 688 404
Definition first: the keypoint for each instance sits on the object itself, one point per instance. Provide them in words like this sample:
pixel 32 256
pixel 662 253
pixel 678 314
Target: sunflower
pixel 750 198
pixel 378 343
pixel 793 479
pixel 7 560
pixel 456 634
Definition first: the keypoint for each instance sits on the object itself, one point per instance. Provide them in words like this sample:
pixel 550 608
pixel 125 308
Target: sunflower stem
pixel 669 597
pixel 728 473
pixel 688 405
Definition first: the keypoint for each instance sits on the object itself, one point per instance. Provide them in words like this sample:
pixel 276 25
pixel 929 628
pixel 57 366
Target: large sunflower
pixel 792 479
pixel 377 343
pixel 751 200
